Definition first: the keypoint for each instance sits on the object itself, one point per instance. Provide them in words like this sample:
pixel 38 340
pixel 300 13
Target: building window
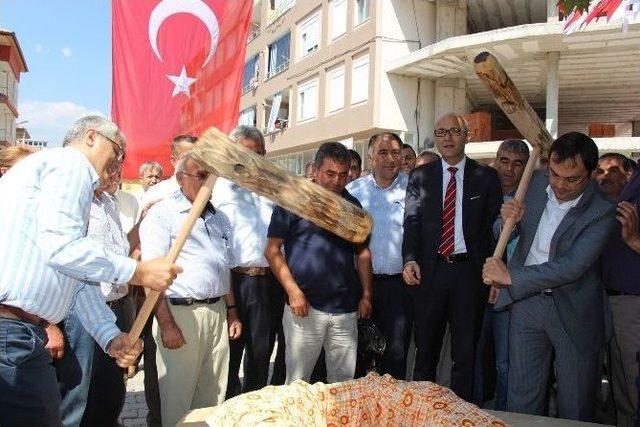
pixel 335 88
pixel 248 116
pixel 308 100
pixel 309 35
pixel 250 75
pixel 276 112
pixel 278 56
pixel 360 79
pixel 362 12
pixel 338 18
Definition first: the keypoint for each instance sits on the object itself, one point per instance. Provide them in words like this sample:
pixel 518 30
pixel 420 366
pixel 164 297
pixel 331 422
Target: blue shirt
pixel 322 264
pixel 620 263
pixel 44 248
pixel 386 207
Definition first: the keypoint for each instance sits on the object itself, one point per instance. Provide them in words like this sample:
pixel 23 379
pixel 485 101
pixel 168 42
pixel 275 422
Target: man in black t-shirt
pixel 327 279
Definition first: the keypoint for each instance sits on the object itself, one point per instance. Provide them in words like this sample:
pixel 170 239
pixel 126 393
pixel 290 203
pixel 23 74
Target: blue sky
pixel 67 46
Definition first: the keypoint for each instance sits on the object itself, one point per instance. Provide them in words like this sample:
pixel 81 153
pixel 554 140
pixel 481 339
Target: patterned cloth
pixel 369 401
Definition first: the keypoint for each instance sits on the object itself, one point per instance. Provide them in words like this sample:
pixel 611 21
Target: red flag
pixel 177 68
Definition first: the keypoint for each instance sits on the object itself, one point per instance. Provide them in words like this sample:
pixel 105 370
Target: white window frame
pixel 245 113
pixel 368 4
pixel 306 28
pixel 335 98
pixel 308 100
pixel 338 20
pixel 360 68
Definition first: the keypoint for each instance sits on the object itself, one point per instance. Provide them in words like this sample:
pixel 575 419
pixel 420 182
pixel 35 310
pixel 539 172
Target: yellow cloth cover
pixel 370 401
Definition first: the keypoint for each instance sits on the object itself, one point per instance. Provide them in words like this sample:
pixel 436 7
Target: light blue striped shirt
pixel 206 256
pixel 386 207
pixel 44 248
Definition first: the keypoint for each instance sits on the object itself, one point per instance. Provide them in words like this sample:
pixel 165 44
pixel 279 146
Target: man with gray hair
pixel 150 174
pixel 45 254
pixel 259 297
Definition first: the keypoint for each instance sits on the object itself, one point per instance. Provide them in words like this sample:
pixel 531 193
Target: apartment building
pixel 342 70
pixel 12 65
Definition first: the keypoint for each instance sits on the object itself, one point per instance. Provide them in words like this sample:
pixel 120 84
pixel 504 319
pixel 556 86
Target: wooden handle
pixel 201 200
pixel 512 102
pixel 294 193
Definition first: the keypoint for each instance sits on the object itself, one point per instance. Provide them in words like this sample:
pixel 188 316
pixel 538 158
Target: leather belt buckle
pixel 15 313
pixel 252 271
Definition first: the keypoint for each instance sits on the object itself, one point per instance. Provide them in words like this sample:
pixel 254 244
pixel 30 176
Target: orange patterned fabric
pixel 370 401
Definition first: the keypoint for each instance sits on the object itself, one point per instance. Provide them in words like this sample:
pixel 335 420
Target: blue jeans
pixel 74 370
pixel 495 328
pixel 28 389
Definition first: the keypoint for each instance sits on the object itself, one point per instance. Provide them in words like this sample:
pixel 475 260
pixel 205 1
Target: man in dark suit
pixel 554 283
pixel 450 208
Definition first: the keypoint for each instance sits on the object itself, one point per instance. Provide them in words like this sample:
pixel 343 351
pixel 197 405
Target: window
pixel 278 56
pixel 338 18
pixel 362 12
pixel 335 88
pixel 308 100
pixel 360 79
pixel 309 35
pixel 248 116
pixel 250 75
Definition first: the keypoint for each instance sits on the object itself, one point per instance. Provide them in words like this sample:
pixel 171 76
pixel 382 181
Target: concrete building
pixel 341 70
pixel 12 65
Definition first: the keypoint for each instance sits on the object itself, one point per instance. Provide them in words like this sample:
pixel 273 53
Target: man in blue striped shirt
pixel 44 252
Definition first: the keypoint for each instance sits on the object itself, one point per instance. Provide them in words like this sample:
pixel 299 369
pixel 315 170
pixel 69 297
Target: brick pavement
pixel 135 408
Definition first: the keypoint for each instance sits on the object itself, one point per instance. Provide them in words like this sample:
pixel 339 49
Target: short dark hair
pixel 380 135
pixel 574 144
pixel 355 156
pixel 428 153
pixel 409 147
pixel 179 140
pixel 334 151
pixel 515 146
pixel 627 163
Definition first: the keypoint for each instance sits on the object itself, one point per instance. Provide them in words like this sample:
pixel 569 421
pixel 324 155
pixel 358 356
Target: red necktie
pixel 449 216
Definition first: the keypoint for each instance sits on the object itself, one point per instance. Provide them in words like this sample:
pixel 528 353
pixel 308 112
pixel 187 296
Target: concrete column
pixel 553 86
pixel 451 18
pixel 552 10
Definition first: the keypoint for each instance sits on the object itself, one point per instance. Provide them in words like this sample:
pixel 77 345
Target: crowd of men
pixel 76 252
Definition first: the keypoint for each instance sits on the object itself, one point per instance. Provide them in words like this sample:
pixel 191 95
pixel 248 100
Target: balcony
pixel 276 70
pixel 278 8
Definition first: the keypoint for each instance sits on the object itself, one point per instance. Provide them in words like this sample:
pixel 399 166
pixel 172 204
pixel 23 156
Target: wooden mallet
pixel 524 119
pixel 222 157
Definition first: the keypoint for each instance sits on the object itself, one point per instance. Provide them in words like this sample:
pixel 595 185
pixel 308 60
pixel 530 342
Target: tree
pixel 569 5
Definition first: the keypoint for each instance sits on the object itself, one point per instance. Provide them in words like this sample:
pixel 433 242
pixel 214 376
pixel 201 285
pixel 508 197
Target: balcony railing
pixel 280 68
pixel 250 86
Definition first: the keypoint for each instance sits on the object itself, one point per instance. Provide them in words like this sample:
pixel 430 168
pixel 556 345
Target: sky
pixel 67 47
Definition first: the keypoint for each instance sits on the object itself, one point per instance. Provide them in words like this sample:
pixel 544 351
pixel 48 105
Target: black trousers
pixel 455 294
pixel 151 386
pixel 393 313
pixel 260 302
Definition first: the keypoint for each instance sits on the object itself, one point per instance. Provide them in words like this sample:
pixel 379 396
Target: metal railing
pixel 280 68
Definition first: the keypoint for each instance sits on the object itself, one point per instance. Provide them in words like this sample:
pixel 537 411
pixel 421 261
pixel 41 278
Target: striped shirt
pixel 386 207
pixel 206 256
pixel 44 248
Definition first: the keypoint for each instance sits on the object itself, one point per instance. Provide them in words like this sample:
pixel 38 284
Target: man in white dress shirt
pixel 45 251
pixel 197 315
pixel 258 295
pixel 382 195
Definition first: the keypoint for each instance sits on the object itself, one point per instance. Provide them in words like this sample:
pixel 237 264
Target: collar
pixel 562 205
pixel 460 165
pixel 395 183
pixel 184 205
pixel 95 178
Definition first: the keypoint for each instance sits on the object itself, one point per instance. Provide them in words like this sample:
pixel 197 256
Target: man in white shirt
pixel 554 283
pixel 258 295
pixel 382 195
pixel 197 315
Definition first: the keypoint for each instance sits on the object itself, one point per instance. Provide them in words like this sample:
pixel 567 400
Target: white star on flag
pixel 181 82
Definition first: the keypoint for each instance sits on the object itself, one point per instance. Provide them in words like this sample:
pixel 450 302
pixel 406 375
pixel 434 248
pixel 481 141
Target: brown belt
pixel 252 271
pixel 15 313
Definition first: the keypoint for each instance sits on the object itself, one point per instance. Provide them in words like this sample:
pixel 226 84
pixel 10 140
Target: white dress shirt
pixel 206 257
pixel 106 229
pixel 160 191
pixel 44 248
pixel 386 207
pixel 250 215
pixel 460 246
pixel 553 214
pixel 128 209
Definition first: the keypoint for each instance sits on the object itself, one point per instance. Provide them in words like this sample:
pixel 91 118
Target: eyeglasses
pixel 572 180
pixel 116 147
pixel 441 133
pixel 200 176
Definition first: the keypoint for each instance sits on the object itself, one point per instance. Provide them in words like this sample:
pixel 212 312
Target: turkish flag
pixel 177 69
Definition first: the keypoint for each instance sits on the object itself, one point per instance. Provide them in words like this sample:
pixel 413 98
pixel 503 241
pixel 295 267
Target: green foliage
pixel 569 5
